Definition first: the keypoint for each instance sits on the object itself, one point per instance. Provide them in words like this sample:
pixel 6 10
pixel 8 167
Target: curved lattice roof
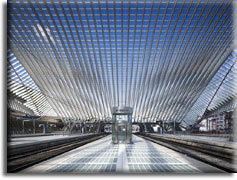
pixel 163 58
pixel 24 94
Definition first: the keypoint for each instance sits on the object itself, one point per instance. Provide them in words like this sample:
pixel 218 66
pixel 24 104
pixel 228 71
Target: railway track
pixel 21 157
pixel 218 156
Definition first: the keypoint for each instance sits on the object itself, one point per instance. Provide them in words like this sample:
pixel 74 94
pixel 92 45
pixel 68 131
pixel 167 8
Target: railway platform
pixel 102 156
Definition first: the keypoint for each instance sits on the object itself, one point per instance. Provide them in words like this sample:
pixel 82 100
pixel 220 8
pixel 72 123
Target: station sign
pixel 121 110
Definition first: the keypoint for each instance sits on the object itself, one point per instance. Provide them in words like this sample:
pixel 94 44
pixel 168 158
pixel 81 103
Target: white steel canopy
pixel 159 57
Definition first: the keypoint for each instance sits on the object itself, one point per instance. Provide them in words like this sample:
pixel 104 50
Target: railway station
pixel 122 86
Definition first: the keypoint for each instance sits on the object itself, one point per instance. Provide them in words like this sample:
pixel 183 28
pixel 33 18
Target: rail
pixel 218 154
pixel 21 156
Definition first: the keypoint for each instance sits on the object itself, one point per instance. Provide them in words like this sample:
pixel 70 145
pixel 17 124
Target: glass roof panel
pixel 163 58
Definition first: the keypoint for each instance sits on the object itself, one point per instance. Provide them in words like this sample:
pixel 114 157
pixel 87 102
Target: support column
pixel 163 127
pixel 23 127
pixel 34 126
pixel 174 127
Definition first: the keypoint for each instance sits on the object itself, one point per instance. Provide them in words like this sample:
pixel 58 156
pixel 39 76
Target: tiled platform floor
pixel 103 157
pixel 144 156
pixel 100 156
